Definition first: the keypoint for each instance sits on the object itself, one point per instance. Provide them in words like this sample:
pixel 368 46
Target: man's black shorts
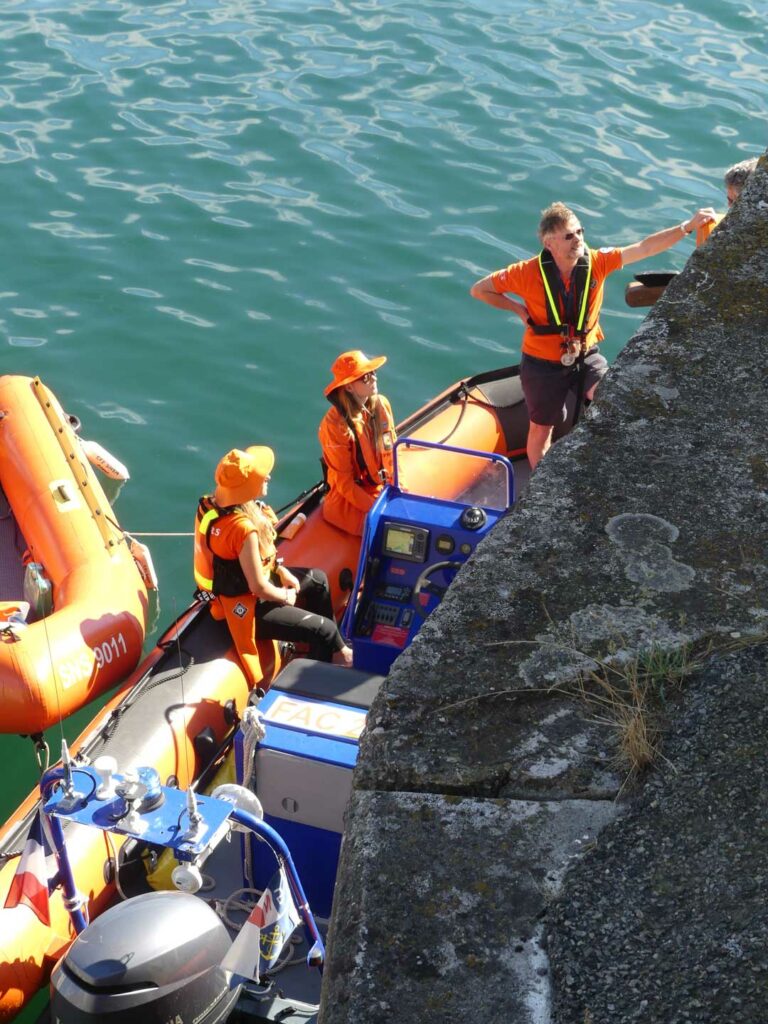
pixel 546 385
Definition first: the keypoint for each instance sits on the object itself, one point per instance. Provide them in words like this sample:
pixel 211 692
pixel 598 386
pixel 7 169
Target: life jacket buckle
pixel 571 350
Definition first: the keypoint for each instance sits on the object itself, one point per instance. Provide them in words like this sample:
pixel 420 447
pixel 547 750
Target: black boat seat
pixel 320 680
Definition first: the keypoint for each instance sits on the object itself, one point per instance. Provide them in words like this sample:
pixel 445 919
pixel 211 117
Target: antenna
pixel 183 695
pixel 55 678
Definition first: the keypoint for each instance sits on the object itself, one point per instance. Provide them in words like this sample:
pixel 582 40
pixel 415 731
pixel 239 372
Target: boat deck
pixel 260 1004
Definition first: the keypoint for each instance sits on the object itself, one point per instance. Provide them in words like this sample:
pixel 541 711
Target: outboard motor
pixel 155 958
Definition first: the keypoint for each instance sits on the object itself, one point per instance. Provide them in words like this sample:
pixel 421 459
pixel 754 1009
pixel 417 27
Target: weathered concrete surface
pixel 459 946
pixel 646 526
pixel 664 919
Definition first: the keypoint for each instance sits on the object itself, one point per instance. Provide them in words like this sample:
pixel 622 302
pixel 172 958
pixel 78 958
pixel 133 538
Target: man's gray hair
pixel 555 216
pixel 738 174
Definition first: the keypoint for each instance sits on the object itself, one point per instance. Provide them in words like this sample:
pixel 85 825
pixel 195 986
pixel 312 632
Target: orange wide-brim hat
pixel 351 366
pixel 240 475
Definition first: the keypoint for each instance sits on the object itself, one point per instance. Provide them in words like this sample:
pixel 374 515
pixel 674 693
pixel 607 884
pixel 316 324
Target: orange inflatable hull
pixel 174 712
pixel 178 707
pixel 94 635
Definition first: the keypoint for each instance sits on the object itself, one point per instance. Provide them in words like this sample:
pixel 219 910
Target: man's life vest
pixel 576 318
pixel 217 575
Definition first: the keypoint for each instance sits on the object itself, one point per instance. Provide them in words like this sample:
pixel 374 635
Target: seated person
pixel 357 435
pixel 236 559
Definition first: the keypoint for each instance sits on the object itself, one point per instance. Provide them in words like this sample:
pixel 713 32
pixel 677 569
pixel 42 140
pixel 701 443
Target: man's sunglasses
pixel 570 235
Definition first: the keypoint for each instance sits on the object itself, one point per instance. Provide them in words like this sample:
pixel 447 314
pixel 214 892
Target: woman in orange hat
pixel 236 559
pixel 357 435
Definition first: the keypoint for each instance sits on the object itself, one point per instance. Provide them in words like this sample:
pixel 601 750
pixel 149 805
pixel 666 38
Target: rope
pixel 134 534
pixel 254 731
pixel 42 752
pixel 581 381
pixel 298 500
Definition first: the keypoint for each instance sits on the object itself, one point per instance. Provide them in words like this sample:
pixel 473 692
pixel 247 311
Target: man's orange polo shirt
pixel 524 279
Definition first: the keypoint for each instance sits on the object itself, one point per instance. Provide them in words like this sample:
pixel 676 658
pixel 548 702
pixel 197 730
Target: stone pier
pixel 500 865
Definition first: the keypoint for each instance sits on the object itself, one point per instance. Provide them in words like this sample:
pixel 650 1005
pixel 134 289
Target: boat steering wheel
pixel 422 583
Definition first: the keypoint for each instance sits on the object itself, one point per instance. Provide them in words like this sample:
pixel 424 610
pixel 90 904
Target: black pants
pixel 310 621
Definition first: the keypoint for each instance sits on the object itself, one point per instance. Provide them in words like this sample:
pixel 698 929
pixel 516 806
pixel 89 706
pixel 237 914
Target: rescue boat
pixel 462 457
pixel 74 603
pixel 213 925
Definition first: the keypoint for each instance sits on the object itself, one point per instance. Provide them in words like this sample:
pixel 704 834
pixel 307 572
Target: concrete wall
pixel 484 875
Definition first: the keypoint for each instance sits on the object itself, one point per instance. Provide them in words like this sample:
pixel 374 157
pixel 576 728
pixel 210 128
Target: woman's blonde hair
pixel 354 413
pixel 265 531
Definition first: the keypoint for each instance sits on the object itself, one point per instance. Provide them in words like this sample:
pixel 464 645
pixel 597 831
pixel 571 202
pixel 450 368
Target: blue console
pixel 414 544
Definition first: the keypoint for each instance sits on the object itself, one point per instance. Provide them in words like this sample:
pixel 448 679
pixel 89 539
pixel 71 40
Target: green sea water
pixel 205 201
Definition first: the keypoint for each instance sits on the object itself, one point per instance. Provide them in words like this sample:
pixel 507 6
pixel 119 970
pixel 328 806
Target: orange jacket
pixel 226 536
pixel 352 491
pixel 524 279
pixel 210 516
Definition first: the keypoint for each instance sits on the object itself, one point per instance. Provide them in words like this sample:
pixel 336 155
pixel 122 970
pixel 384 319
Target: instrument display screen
pixel 391 592
pixel 407 542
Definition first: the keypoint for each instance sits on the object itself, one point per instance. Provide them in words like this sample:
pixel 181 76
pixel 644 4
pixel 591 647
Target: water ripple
pixel 279 177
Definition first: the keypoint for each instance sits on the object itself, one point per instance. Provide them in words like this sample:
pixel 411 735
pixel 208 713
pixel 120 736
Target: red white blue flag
pixel 263 936
pixel 36 866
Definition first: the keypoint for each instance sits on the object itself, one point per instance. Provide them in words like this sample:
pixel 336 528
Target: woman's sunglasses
pixel 367 377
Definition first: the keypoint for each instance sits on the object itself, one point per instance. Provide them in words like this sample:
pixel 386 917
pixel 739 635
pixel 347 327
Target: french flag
pixel 36 866
pixel 261 939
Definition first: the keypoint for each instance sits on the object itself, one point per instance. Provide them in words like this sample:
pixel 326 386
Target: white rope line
pixel 134 534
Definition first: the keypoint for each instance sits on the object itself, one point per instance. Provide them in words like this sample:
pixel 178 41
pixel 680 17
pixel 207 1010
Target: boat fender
pixel 144 563
pixel 99 457
pixel 290 530
pixel 242 798
pixel 187 878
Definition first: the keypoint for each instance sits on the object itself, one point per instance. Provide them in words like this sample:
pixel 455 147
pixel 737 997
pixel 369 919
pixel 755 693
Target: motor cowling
pixel 155 958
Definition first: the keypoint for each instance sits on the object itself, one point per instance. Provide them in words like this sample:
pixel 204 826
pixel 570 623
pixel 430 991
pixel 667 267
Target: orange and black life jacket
pixel 207 513
pixel 369 476
pixel 576 318
pixel 213 573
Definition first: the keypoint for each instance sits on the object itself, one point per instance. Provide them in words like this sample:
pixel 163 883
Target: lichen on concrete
pixel 645 541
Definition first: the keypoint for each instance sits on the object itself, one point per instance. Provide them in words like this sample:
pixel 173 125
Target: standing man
pixel 562 293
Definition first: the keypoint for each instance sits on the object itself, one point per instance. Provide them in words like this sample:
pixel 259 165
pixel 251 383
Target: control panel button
pixel 473 518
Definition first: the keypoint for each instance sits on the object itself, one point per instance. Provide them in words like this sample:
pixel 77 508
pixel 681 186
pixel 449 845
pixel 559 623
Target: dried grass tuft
pixel 630 697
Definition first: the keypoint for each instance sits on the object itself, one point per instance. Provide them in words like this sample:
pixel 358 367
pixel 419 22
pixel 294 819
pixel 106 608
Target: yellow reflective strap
pixel 550 300
pixel 202 527
pixel 585 294
pixel 203 582
pixel 211 514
